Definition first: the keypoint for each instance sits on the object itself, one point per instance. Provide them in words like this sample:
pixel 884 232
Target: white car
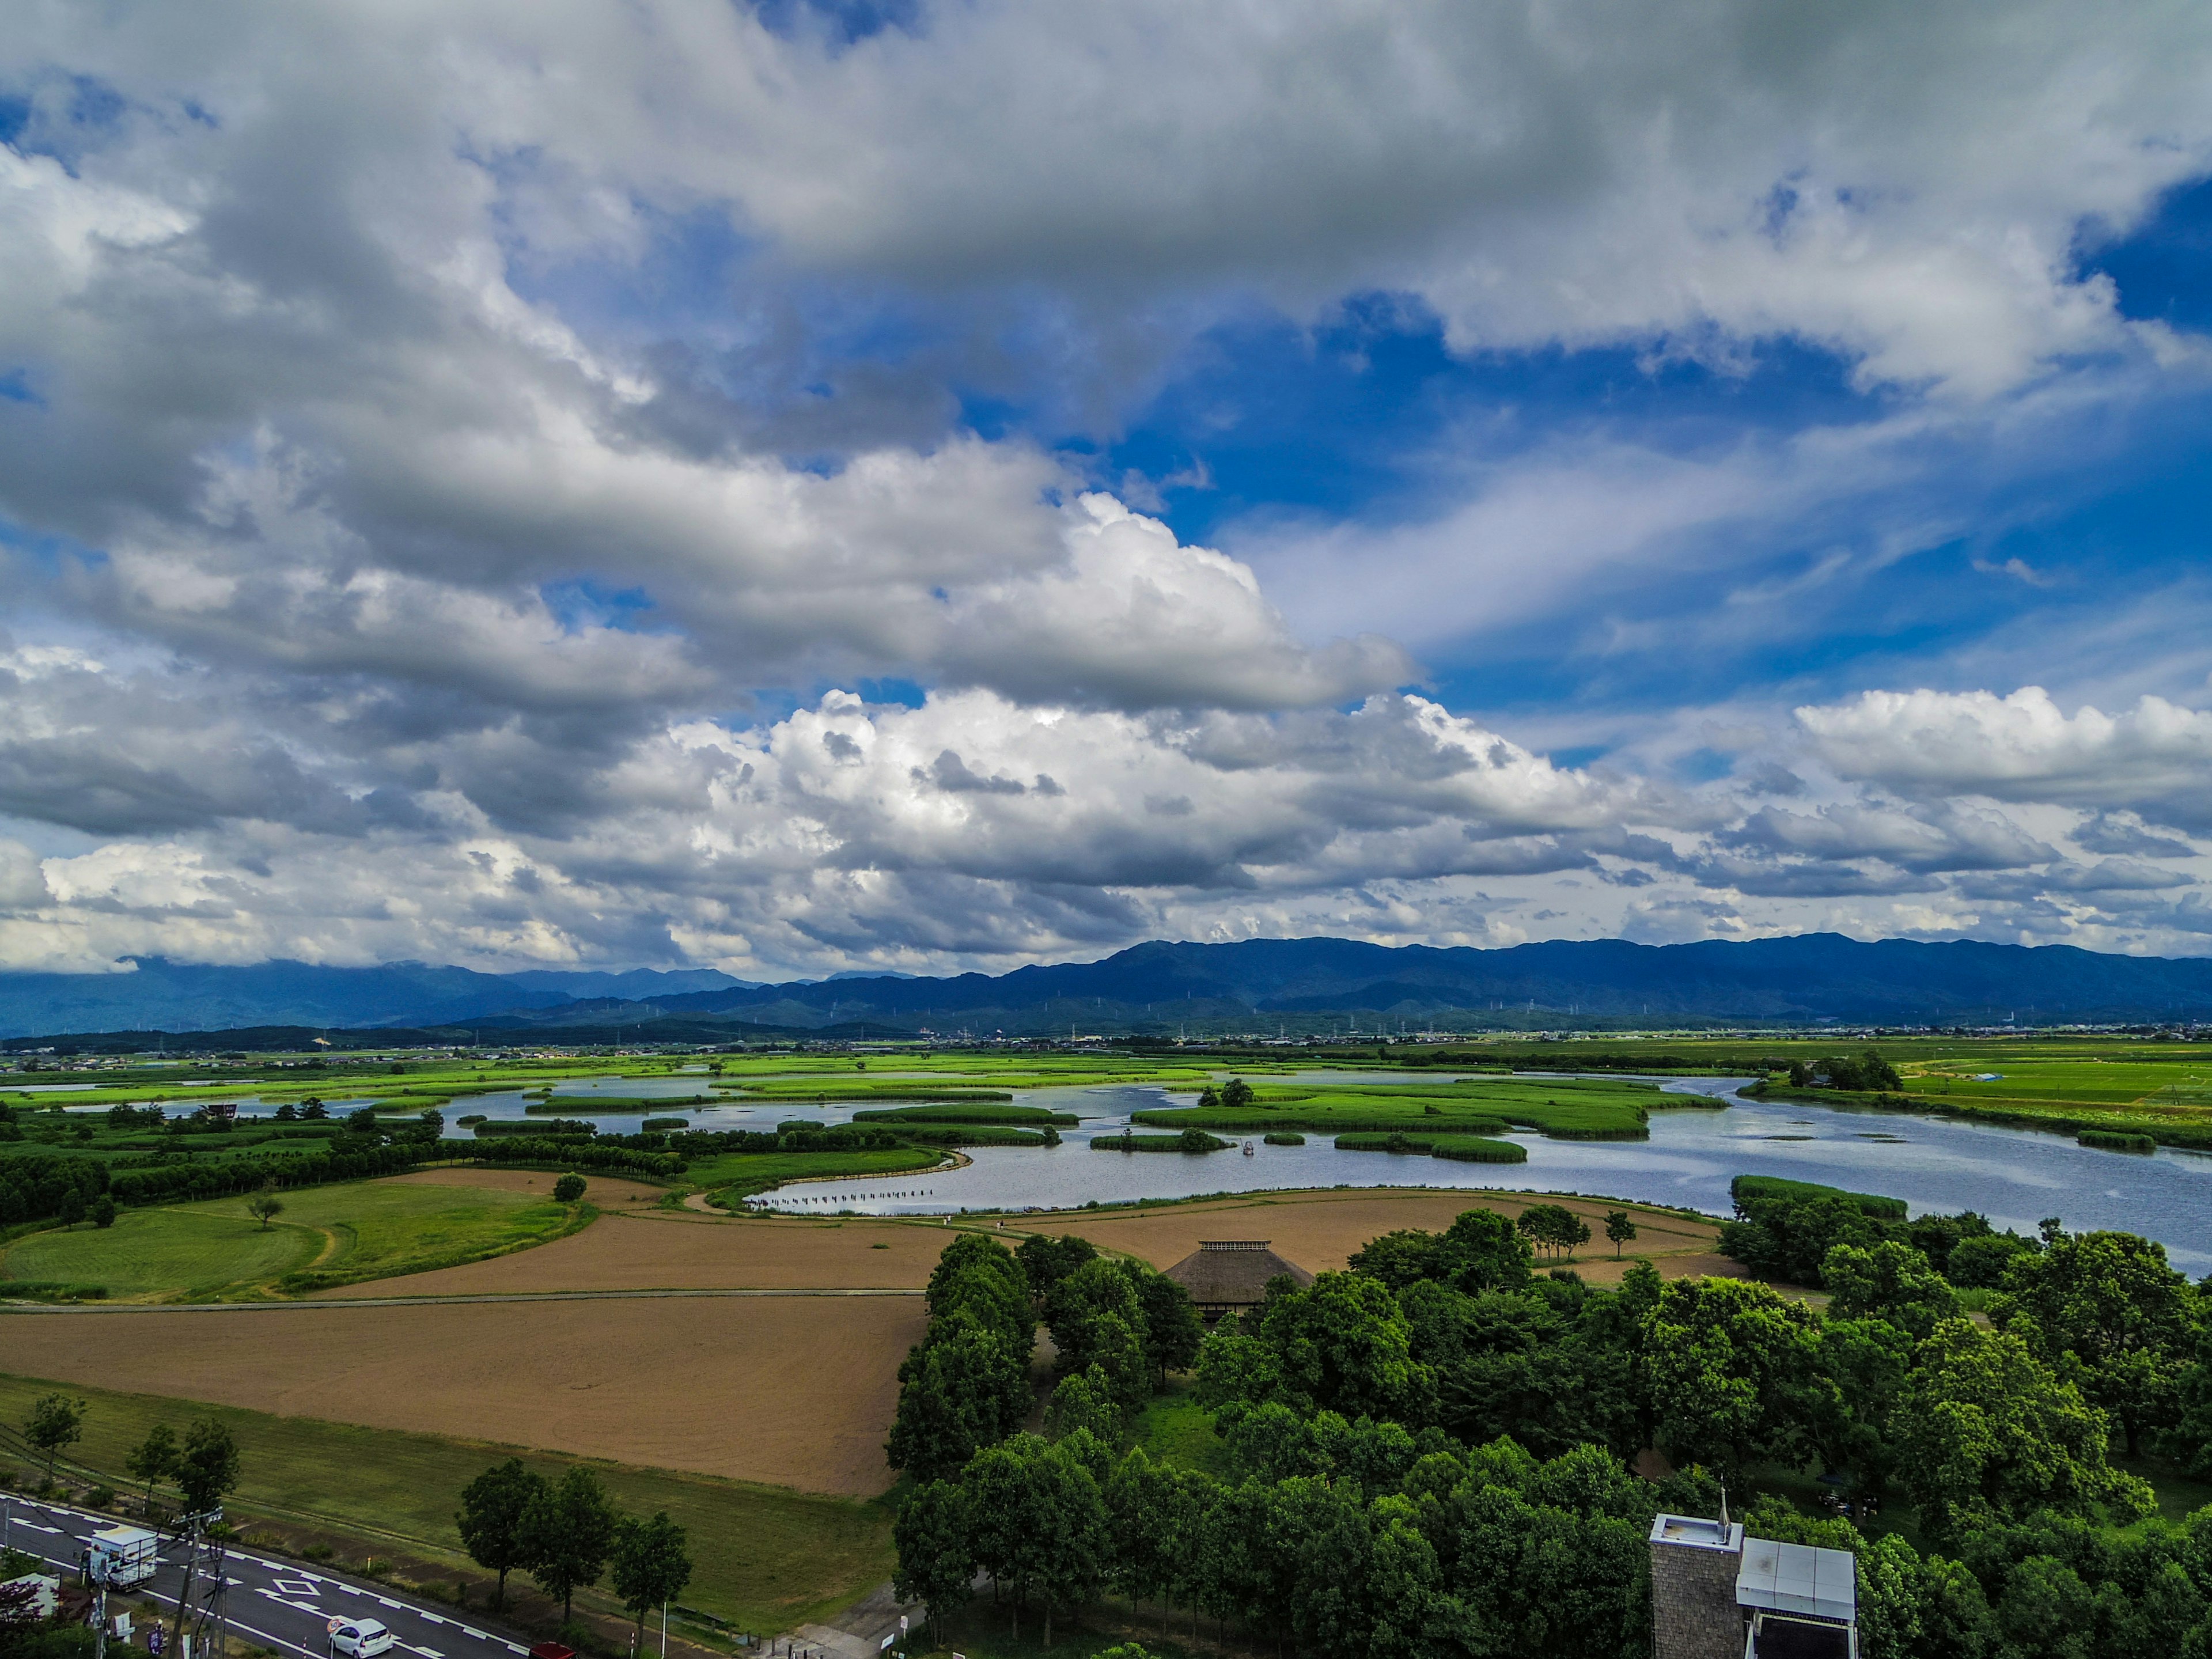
pixel 359 1638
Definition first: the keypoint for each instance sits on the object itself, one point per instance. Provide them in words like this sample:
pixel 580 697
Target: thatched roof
pixel 1232 1273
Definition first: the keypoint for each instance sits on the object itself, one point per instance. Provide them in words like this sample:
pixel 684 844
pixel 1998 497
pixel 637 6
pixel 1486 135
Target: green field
pixel 762 1556
pixel 1568 1109
pixel 336 1235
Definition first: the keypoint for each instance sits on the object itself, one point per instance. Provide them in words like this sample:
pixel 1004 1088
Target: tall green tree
pixel 56 1423
pixel 1619 1229
pixel 154 1458
pixel 936 1555
pixel 2110 1301
pixel 490 1521
pixel 1726 1363
pixel 1890 1281
pixel 1343 1344
pixel 568 1530
pixel 1987 1433
pixel 209 1465
pixel 650 1565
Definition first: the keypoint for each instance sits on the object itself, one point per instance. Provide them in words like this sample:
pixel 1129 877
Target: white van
pixel 359 1638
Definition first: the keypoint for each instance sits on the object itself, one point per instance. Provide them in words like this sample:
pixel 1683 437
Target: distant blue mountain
pixel 161 995
pixel 1159 986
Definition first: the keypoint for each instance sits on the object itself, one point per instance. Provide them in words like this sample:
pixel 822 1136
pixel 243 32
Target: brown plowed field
pixel 605 1191
pixel 678 1249
pixel 1319 1231
pixel 788 1391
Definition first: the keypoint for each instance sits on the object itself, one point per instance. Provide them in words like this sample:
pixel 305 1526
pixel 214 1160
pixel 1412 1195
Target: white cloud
pixel 2155 757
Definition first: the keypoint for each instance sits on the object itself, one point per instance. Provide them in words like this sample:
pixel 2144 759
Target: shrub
pixel 317 1552
pixel 568 1188
pixel 1474 1149
pixel 99 1497
pixel 2117 1140
pixel 1283 1137
pixel 663 1123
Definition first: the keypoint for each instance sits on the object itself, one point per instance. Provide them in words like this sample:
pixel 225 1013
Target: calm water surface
pixel 2014 1177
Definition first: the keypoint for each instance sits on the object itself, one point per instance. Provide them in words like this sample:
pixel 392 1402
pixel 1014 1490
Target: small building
pixel 1228 1275
pixel 1718 1595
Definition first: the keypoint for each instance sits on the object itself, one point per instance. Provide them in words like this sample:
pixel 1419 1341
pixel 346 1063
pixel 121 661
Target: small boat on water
pixel 1248 1149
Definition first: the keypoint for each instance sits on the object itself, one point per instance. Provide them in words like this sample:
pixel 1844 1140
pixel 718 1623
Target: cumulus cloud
pixel 2155 757
pixel 411 550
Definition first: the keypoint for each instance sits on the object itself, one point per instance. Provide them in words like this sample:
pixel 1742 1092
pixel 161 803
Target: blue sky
pixel 831 487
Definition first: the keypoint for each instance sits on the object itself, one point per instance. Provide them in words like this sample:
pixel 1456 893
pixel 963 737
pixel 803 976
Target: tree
pixel 1085 1399
pixel 1048 1258
pixel 567 1531
pixel 1172 1327
pixel 1343 1345
pixel 265 1206
pixel 650 1566
pixel 208 1466
pixel 72 1208
pixel 1552 1227
pixel 1620 1229
pixel 2111 1302
pixel 1986 1432
pixel 1726 1362
pixel 1892 1282
pixel 56 1423
pixel 490 1520
pixel 154 1458
pixel 936 1561
pixel 568 1188
pixel 103 1212
pixel 1237 1093
pixel 963 1388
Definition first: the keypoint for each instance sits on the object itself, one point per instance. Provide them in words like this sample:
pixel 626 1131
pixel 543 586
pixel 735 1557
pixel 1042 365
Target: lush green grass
pixel 1174 1429
pixel 1569 1108
pixel 739 1175
pixel 337 1234
pixel 763 1556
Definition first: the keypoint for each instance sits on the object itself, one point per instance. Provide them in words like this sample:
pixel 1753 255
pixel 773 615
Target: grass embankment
pixel 739 1175
pixel 338 1234
pixel 1564 1109
pixel 1464 1149
pixel 1031 1116
pixel 763 1558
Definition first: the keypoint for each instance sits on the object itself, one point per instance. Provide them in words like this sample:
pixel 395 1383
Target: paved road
pixel 278 1604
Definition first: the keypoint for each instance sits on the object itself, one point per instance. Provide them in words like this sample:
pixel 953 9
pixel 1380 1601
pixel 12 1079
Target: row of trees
pixel 565 1535
pixel 204 1465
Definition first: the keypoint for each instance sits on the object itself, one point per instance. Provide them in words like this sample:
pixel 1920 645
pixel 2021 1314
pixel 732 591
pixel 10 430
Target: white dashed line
pixel 435 1619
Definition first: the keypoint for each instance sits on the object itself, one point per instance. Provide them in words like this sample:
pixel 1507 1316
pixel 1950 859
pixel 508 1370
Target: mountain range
pixel 1294 986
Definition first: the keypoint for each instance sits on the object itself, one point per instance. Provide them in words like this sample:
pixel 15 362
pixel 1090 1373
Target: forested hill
pixel 1812 977
pixel 1309 984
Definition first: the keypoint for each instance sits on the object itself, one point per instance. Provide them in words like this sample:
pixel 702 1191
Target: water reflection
pixel 2014 1177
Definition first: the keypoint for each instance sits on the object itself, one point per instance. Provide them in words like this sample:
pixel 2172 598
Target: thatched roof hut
pixel 1227 1275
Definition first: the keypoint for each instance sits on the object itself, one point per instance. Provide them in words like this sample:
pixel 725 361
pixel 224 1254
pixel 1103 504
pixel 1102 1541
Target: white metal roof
pixel 1798 1578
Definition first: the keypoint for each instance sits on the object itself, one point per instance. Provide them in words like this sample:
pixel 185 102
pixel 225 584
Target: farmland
pixel 765 1557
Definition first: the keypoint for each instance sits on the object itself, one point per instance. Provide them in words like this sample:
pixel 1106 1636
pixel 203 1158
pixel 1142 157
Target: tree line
pixel 1429 1454
pixel 566 1534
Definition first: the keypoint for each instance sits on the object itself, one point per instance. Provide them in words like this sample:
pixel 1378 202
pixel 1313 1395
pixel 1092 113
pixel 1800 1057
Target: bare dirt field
pixel 1319 1231
pixel 605 1191
pixel 788 1391
pixel 675 1249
